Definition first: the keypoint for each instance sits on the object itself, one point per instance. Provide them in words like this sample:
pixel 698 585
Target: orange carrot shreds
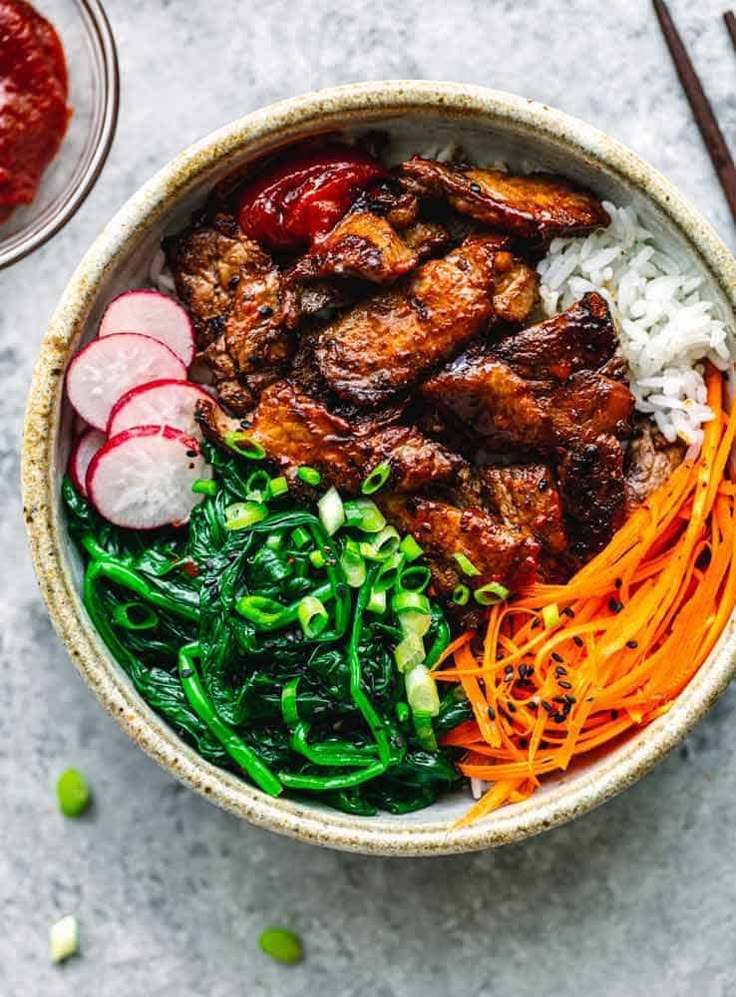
pixel 569 669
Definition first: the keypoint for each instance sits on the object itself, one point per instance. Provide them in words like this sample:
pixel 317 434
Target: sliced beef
pixel 537 205
pixel 426 238
pixel 593 489
pixel 526 496
pixel 388 199
pixel 650 460
pixel 384 345
pixel 583 337
pixel 295 429
pixel 516 293
pixel 501 554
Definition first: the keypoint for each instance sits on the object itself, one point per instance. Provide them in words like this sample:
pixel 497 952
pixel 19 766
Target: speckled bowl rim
pixel 286 120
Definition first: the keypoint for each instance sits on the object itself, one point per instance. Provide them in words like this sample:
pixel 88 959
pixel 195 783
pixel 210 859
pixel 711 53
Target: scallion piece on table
pixel 278 487
pixel 309 475
pixel 241 515
pixel 72 791
pixel 490 594
pixel 364 515
pixel 421 691
pixel 410 548
pixel 64 938
pixel 243 445
pixel 331 511
pixel 376 479
pixel 461 595
pixel 204 486
pixel 282 945
pixel 410 653
pixel 312 615
pixel 550 615
pixel 465 564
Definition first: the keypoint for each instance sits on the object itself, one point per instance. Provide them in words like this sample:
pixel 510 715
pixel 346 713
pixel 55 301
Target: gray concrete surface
pixel 636 899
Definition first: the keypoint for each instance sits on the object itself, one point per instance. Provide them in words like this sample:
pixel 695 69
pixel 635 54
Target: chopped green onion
pixel 412 620
pixel 415 578
pixel 377 602
pixel 383 545
pixel 135 616
pixel 240 515
pixel 277 487
pixel 73 793
pixel 410 600
pixel 256 487
pixel 289 710
pixel 309 475
pixel 64 938
pixel 275 541
pixel 410 548
pixel 425 731
pixel 490 594
pixel 402 712
pixel 376 479
pixel 244 446
pixel 388 572
pixel 461 595
pixel 331 511
pixel 312 615
pixel 282 945
pixel 261 610
pixel 353 565
pixel 550 615
pixel 317 558
pixel 204 486
pixel 300 537
pixel 465 564
pixel 421 691
pixel 364 515
pixel 410 653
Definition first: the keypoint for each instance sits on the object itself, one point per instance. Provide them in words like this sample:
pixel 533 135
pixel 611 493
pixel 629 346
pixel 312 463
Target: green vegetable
pixel 410 652
pixel 73 793
pixel 203 486
pixel 277 487
pixel 410 548
pixel 490 594
pixel 461 595
pixel 241 515
pixel 282 945
pixel 244 446
pixel 376 479
pixel 64 938
pixel 421 691
pixel 309 475
pixel 331 511
pixel 465 564
pixel 364 515
pixel 312 616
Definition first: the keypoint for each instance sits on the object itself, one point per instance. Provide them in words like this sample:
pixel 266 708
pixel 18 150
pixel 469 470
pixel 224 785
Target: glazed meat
pixel 537 205
pixel 383 346
pixel 650 460
pixel 234 293
pixel 582 338
pixel 525 497
pixel 389 200
pixel 516 293
pixel 593 491
pixel 295 429
pixel 501 554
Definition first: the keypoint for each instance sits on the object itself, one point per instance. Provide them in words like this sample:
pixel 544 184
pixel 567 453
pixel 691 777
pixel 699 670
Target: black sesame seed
pixel 559 718
pixel 564 684
pixel 557 657
pixel 632 644
pixel 191 454
pixel 615 606
pixel 543 485
pixel 265 311
pixel 233 282
pixel 560 671
pixel 186 673
pixel 475 188
pixel 535 623
pixel 578 641
pixel 618 583
pixel 523 743
pixel 510 707
pixel 245 424
pixel 546 706
pixel 567 611
pixel 614 714
pixel 491 713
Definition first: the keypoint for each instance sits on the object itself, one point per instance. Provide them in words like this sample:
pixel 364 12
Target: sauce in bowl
pixel 33 101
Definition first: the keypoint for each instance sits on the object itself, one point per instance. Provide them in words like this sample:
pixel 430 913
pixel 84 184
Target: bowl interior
pixel 84 34
pixel 485 138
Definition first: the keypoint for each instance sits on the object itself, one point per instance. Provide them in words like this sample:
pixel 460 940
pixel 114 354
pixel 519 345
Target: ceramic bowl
pixel 418 116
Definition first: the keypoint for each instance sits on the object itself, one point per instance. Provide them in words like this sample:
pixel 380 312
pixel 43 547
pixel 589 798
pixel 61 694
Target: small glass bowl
pixel 94 87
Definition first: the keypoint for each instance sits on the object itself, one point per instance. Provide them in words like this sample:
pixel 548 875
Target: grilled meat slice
pixel 583 337
pixel 389 200
pixel 205 261
pixel 650 460
pixel 537 205
pixel 361 245
pixel 384 345
pixel 295 429
pixel 426 238
pixel 525 496
pixel 501 554
pixel 516 293
pixel 593 489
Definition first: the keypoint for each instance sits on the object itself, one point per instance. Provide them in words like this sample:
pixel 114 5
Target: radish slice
pixel 152 314
pixel 81 456
pixel 142 478
pixel 160 403
pixel 107 368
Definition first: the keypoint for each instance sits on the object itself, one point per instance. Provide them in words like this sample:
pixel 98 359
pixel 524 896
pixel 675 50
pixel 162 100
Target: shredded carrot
pixel 631 629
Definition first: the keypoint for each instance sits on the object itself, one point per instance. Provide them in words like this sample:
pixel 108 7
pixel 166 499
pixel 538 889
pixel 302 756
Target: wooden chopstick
pixel 715 143
pixel 730 25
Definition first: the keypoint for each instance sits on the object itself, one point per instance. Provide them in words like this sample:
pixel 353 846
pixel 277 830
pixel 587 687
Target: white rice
pixel 665 326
